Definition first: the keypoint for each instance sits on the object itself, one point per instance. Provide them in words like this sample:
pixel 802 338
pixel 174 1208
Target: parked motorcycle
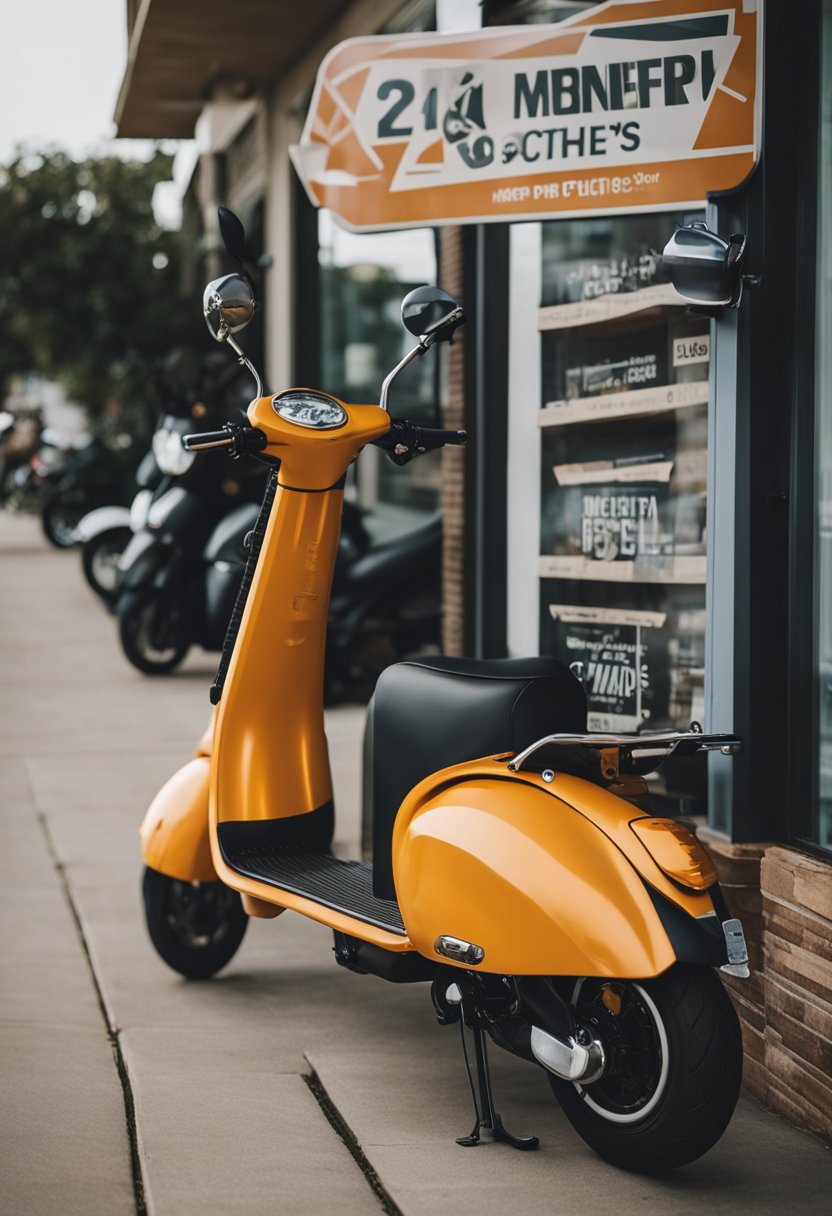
pixel 20 462
pixel 105 532
pixel 180 570
pixel 513 869
pixel 89 475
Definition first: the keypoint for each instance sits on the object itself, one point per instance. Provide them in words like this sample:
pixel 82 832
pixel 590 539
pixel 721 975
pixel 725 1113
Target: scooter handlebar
pixel 208 439
pixel 237 439
pixel 407 439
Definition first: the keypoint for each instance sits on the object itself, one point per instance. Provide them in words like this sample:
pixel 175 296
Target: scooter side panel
pixel 175 831
pixel 537 883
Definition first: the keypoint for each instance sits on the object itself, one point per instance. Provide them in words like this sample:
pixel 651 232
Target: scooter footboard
pixel 175 831
pixel 538 885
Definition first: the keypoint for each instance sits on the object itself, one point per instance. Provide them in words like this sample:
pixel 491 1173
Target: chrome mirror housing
pixel 703 267
pixel 228 305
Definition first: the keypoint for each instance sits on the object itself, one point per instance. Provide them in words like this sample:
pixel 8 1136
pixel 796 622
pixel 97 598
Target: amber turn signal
pixel 676 851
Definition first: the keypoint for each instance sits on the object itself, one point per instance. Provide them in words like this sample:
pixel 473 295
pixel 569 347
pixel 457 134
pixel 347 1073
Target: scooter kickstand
pixel 488 1127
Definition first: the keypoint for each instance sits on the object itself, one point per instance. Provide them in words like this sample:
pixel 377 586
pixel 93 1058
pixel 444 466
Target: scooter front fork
pixel 488 1126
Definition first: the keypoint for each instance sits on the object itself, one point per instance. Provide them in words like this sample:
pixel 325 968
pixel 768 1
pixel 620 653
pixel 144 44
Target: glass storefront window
pixel 363 278
pixel 823 448
pixel 624 434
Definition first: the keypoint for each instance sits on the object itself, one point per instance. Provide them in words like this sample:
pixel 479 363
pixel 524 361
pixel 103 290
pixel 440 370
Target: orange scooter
pixel 517 867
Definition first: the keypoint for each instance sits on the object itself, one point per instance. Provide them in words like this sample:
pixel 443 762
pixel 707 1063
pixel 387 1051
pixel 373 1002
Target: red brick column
pixel 784 900
pixel 453 460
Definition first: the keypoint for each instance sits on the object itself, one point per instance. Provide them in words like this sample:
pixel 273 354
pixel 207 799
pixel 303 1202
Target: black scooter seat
pixel 430 713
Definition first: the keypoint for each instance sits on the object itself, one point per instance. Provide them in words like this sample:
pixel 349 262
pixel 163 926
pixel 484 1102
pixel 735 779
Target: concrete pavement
pixel 99 1038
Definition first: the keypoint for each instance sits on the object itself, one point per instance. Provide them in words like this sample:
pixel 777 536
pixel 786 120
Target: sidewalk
pixel 97 1033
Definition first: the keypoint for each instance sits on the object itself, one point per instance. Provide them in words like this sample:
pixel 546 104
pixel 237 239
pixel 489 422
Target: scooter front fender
pixel 546 879
pixel 175 831
pixel 102 519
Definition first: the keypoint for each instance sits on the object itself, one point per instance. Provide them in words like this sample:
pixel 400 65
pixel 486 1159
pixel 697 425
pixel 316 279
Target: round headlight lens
pixel 171 457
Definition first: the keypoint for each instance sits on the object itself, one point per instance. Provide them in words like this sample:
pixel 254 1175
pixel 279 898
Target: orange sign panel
pixel 629 106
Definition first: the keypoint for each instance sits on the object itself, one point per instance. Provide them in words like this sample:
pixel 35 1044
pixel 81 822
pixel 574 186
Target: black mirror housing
pixel 425 308
pixel 233 233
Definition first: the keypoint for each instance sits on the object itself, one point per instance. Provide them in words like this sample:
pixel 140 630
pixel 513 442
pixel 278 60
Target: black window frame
pixel 774 780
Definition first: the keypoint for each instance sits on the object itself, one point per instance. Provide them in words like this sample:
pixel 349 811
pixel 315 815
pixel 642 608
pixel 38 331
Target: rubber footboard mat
pixel 345 886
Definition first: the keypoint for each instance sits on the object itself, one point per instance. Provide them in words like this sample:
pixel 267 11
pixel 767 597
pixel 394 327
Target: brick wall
pixel 784 899
pixel 453 460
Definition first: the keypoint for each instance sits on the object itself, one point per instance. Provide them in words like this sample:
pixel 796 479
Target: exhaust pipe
pixel 571 1061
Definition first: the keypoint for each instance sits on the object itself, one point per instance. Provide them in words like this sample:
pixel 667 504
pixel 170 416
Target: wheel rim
pixel 199 914
pixel 156 633
pixel 64 523
pixel 104 565
pixel 635 1046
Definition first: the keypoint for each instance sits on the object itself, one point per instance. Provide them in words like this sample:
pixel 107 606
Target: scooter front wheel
pixel 152 631
pixel 196 927
pixel 673 1068
pixel 61 515
pixel 99 561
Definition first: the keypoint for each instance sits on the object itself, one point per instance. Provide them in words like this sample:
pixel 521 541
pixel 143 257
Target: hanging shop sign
pixel 632 105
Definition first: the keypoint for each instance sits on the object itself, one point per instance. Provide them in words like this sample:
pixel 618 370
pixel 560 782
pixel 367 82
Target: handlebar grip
pixel 440 438
pixel 208 439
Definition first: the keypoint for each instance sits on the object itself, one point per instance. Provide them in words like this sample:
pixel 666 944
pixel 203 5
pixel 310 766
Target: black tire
pixel 99 560
pixel 674 1068
pixel 195 927
pixel 153 632
pixel 60 516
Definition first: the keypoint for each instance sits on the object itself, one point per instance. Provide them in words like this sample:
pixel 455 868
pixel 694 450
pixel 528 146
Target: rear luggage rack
pixel 685 742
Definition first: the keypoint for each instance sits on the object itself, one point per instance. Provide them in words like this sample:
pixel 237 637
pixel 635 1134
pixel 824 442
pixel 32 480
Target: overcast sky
pixel 61 67
pixel 61 64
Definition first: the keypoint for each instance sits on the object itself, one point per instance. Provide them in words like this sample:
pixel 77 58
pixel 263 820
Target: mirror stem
pixel 391 376
pixel 244 362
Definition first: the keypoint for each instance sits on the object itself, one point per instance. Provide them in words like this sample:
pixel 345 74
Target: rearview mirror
pixel 233 233
pixel 228 305
pixel 427 309
pixel 703 267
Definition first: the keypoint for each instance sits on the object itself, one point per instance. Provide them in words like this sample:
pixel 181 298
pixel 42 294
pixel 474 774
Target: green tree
pixel 89 281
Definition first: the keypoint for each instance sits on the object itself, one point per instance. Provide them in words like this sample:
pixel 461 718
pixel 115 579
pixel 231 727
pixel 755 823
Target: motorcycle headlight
pixel 171 457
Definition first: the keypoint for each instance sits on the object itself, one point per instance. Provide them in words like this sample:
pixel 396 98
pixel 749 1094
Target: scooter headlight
pixel 171 457
pixel 676 851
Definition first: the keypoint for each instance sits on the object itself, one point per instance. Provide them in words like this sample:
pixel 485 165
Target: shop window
pixel 624 425
pixel 363 278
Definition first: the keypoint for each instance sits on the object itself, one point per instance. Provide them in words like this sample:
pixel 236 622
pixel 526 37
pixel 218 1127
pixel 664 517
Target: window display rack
pixel 623 424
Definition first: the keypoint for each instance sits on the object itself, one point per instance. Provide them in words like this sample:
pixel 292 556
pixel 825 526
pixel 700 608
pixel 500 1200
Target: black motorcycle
pixel 178 575
pixel 89 475
pixel 385 605
pixel 105 532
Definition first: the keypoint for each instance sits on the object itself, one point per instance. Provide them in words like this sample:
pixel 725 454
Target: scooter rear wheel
pixel 196 927
pixel 673 1068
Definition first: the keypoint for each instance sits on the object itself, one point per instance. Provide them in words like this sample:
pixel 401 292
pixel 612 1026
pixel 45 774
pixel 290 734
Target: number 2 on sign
pixel 404 96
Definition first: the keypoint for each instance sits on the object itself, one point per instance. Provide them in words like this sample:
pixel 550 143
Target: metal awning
pixel 180 49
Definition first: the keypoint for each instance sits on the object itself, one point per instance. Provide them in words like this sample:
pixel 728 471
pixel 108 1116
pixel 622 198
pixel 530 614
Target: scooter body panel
pixel 174 833
pixel 544 885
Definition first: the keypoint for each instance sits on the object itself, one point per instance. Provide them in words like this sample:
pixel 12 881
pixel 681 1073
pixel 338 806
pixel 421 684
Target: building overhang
pixel 181 51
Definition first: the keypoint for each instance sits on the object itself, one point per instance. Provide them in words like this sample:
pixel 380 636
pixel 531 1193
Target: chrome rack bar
pixel 728 745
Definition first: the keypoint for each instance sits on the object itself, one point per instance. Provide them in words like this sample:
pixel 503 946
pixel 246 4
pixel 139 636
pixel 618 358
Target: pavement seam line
pixel 348 1137
pixel 111 1031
